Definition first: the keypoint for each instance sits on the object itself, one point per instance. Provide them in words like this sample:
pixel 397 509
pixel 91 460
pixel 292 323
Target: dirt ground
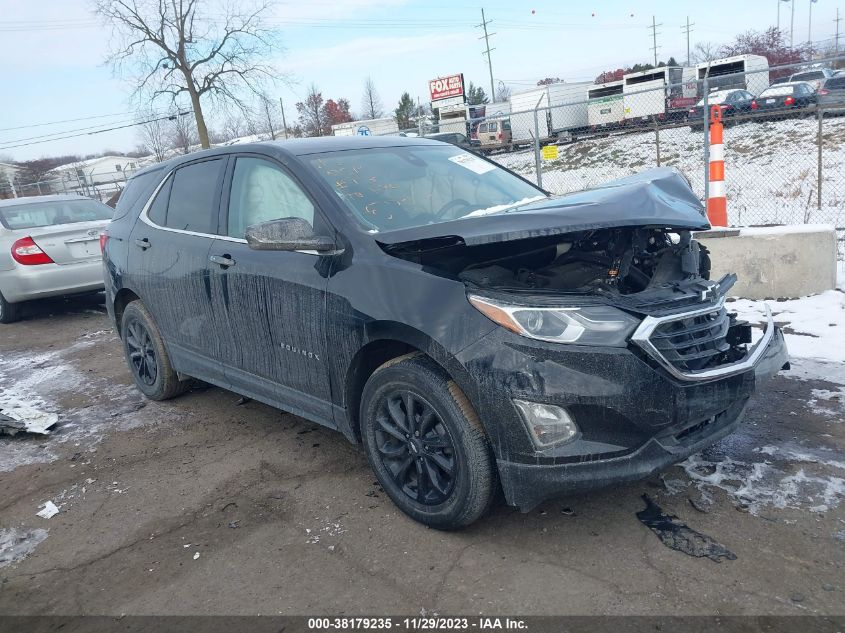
pixel 202 505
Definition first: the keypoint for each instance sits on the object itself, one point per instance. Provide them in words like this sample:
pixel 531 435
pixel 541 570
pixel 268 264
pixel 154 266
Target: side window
pixel 158 209
pixel 261 192
pixel 192 205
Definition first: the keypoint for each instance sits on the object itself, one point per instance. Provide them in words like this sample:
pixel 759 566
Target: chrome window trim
pixel 642 337
pixel 145 218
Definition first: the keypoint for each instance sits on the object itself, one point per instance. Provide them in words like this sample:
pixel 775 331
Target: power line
pixel 111 129
pixel 484 23
pixel 85 118
pixel 687 30
pixel 654 35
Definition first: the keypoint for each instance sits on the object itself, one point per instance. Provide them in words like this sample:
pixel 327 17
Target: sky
pixel 55 77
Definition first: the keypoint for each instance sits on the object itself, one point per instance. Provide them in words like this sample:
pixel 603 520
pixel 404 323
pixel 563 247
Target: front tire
pixel 147 357
pixel 426 445
pixel 8 311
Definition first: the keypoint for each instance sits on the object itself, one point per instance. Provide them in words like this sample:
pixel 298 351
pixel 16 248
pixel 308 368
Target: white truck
pixel 366 127
pixel 663 93
pixel 562 111
pixel 522 117
pixel 605 109
pixel 568 113
pixel 749 72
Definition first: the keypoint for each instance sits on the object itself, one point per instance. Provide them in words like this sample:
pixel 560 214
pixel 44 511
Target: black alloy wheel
pixel 141 353
pixel 416 448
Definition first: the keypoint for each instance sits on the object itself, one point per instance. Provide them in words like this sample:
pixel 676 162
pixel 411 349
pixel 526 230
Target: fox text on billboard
pixel 446 87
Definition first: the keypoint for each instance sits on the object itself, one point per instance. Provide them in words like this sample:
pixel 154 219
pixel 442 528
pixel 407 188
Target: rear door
pixel 275 301
pixel 168 266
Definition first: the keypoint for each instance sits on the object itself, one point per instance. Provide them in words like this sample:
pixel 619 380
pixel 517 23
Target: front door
pixel 168 254
pixel 275 301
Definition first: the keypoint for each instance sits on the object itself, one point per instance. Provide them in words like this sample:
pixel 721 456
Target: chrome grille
pixel 695 342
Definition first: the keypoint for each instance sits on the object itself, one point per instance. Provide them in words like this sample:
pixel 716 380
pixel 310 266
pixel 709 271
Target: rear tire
pixel 147 357
pixel 8 311
pixel 435 464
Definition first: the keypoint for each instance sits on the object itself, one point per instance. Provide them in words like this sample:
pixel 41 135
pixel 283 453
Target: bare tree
pixel 182 135
pixel 503 93
pixel 155 134
pixel 311 114
pixel 371 105
pixel 205 48
pixel 705 52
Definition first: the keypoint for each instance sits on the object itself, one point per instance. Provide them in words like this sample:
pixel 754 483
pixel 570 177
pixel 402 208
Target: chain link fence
pixel 102 186
pixel 784 141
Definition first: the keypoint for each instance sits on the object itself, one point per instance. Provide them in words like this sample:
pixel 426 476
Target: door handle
pixel 143 244
pixel 224 261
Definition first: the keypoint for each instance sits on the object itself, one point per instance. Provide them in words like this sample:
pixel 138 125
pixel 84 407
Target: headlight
pixel 588 325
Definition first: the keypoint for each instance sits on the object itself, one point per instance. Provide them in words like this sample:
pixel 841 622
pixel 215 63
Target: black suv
pixel 471 331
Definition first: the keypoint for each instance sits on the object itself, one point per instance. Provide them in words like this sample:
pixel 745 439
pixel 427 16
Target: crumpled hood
pixel 655 198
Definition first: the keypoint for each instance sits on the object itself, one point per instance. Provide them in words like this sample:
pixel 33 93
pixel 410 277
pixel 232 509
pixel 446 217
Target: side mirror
pixel 287 234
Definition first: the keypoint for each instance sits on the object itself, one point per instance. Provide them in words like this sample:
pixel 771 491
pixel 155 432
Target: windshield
pixel 813 74
pixel 403 187
pixel 29 216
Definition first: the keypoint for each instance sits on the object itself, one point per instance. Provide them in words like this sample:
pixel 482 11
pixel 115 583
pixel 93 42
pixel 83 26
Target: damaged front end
pixel 616 355
pixel 545 269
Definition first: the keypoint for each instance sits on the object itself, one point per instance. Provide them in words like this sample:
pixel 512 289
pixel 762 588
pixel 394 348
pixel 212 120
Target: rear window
pixel 778 91
pixel 715 98
pixel 37 214
pixel 814 74
pixel 482 127
pixel 132 194
pixel 192 205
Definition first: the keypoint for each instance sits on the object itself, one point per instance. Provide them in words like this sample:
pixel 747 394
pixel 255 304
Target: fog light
pixel 547 424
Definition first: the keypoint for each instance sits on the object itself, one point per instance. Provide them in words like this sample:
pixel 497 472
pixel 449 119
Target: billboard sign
pixel 446 88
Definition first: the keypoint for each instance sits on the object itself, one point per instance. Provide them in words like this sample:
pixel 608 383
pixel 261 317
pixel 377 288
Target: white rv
pixel 660 92
pixel 749 72
pixel 605 108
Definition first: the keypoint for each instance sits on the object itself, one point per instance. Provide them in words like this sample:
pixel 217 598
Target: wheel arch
pixel 123 298
pixel 389 341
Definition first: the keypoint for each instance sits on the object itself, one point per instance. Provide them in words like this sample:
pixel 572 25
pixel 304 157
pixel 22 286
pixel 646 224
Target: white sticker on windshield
pixel 473 163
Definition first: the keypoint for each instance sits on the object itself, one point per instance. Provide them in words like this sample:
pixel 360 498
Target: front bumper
pixel 23 283
pixel 635 417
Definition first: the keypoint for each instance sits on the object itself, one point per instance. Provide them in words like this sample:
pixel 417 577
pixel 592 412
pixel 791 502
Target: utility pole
pixel 810 24
pixel 687 29
pixel 654 35
pixel 792 25
pixel 284 123
pixel 836 39
pixel 486 37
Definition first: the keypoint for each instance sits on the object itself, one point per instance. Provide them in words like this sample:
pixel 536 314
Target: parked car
pixel 784 99
pixel 49 246
pixel 471 331
pixel 832 93
pixel 814 77
pixel 733 103
pixel 455 138
pixel 494 135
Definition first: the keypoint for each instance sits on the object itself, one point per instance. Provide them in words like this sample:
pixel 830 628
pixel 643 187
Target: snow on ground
pixel 771 167
pixel 38 381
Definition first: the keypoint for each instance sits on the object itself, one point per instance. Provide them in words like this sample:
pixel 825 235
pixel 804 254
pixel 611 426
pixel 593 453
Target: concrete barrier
pixel 774 262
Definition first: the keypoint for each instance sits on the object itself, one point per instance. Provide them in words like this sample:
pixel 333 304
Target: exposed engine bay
pixel 621 260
